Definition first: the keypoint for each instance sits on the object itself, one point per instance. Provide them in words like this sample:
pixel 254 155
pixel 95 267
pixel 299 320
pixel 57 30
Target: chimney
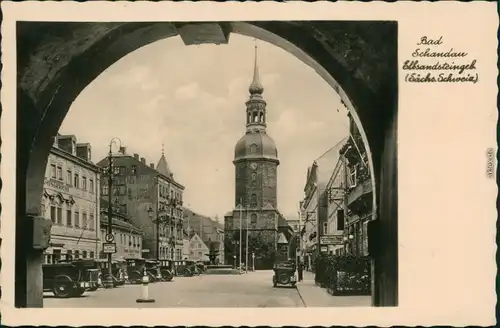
pixel 152 165
pixel 67 143
pixel 136 157
pixel 143 160
pixel 123 150
pixel 83 150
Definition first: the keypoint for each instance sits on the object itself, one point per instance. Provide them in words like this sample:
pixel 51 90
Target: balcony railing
pixel 361 189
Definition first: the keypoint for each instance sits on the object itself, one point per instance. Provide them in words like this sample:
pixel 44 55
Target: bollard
pixel 145 290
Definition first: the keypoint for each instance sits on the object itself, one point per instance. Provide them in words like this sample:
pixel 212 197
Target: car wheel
pixel 62 287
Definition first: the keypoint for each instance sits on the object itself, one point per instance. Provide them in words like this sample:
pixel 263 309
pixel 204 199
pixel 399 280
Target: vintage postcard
pixel 244 164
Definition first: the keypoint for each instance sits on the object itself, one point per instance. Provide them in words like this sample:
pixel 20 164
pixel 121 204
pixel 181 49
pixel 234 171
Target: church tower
pixel 256 206
pixel 255 154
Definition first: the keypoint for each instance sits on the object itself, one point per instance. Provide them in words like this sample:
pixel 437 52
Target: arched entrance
pixel 56 61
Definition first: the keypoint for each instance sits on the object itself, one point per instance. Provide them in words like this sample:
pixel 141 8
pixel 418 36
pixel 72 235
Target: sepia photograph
pixel 248 164
pixel 185 164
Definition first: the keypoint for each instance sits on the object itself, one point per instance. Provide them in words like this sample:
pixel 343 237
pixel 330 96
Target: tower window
pixel 253 219
pixel 253 200
pixel 253 148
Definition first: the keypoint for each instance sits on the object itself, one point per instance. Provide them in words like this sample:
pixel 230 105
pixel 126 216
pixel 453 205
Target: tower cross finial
pixel 163 149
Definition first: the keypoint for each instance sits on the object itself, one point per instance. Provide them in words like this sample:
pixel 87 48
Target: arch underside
pixel 56 61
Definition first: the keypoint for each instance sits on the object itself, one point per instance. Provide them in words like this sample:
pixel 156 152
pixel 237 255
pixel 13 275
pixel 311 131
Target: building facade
pixel 71 200
pixel 198 249
pixel 209 230
pixel 256 163
pixel 332 236
pixel 359 193
pixel 314 208
pixel 128 237
pixel 148 194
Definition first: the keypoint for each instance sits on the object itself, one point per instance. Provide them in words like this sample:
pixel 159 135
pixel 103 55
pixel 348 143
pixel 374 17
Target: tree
pixel 263 250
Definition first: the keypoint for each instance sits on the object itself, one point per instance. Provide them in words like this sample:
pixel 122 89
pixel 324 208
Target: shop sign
pixel 331 240
pixel 109 248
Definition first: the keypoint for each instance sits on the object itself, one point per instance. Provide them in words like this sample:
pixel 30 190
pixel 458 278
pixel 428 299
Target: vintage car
pixel 153 270
pixel 185 268
pixel 118 274
pixel 70 278
pixel 284 273
pixel 136 268
pixel 166 270
pixel 201 267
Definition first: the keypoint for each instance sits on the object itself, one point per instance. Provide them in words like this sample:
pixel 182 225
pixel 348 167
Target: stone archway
pixel 56 61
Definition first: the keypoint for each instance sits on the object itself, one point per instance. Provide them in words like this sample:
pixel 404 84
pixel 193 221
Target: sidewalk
pixel 314 296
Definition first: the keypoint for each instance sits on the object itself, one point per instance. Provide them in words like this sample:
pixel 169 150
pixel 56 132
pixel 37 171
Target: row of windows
pixel 73 180
pixel 118 190
pixel 170 231
pixel 70 218
pixel 164 193
pixel 122 170
pixel 56 255
pixel 170 254
pixel 197 253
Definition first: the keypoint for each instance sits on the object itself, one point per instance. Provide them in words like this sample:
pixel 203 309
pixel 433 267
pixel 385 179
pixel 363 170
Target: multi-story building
pixel 332 236
pixel 314 206
pixel 198 249
pixel 71 200
pixel 359 196
pixel 128 237
pixel 147 194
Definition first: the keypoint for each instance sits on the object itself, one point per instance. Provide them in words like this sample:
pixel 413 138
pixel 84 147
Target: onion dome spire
pixel 256 88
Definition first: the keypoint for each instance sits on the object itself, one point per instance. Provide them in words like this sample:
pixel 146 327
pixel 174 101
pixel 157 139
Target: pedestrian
pixel 300 269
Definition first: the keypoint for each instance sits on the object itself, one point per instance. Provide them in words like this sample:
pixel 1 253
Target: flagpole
pixel 241 226
pixel 246 245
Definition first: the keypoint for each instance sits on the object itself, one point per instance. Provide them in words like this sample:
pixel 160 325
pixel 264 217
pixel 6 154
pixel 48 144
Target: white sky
pixel 191 98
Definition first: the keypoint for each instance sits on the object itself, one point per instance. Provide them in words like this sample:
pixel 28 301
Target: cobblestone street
pixel 254 289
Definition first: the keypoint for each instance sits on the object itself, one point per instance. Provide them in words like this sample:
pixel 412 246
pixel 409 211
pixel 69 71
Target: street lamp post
pixel 108 282
pixel 253 261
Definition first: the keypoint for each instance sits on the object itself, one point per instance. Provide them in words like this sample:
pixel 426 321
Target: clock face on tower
pixel 253 166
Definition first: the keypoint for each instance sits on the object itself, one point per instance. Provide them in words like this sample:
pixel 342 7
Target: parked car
pixel 118 275
pixel 70 278
pixel 166 270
